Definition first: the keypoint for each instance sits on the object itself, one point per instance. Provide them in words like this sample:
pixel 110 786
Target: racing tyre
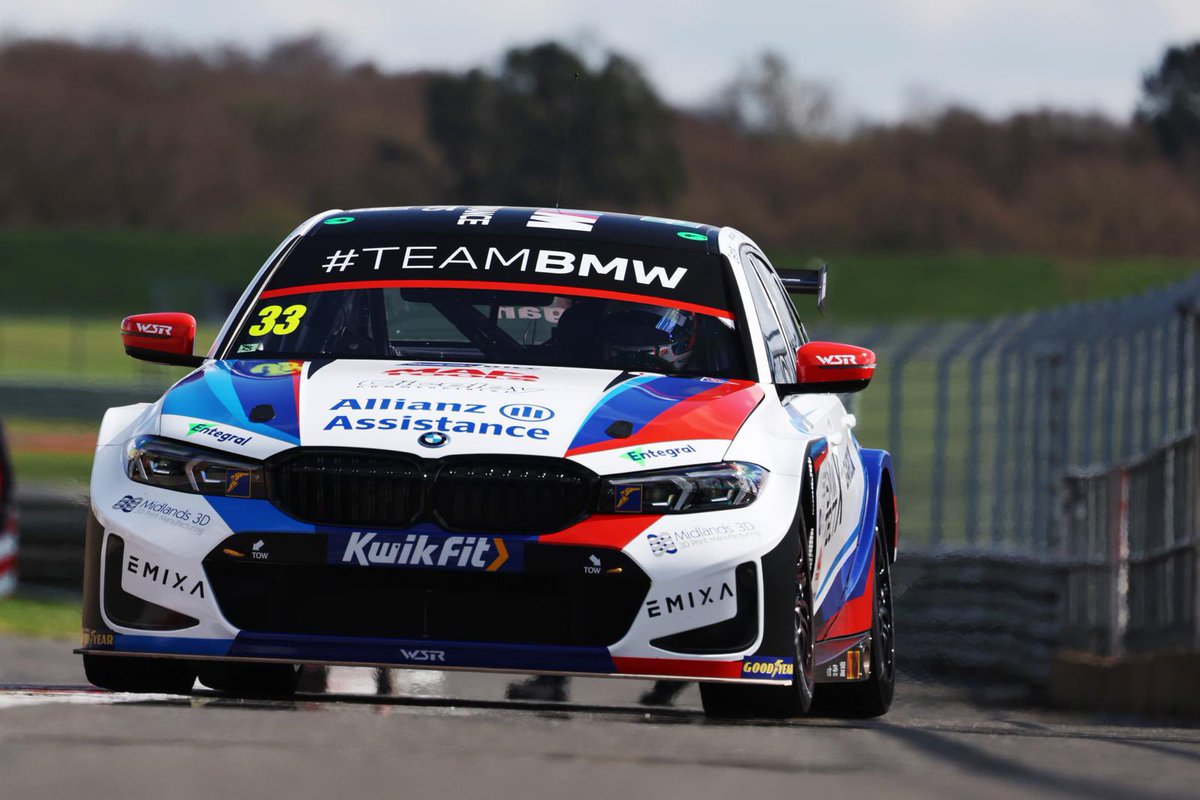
pixel 872 697
pixel 251 679
pixel 733 701
pixel 141 675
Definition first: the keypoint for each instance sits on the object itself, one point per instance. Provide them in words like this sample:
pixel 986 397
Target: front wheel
pixel 140 675
pixel 728 700
pixel 872 697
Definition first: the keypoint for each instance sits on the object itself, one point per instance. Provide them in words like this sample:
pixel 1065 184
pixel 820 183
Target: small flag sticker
pixel 562 220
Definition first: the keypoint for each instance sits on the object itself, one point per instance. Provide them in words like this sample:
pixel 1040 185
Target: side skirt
pixel 845 659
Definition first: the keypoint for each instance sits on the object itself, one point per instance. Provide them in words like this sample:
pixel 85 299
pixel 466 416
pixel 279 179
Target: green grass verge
pixel 47 619
pixel 110 274
pixel 79 349
pixel 60 468
pixel 890 287
pixel 43 451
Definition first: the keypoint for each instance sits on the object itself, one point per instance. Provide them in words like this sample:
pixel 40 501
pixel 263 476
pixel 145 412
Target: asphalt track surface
pixel 451 735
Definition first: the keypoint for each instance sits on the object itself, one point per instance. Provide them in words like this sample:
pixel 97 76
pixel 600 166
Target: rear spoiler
pixel 808 281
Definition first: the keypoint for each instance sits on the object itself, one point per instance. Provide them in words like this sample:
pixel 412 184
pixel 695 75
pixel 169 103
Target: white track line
pixel 16 698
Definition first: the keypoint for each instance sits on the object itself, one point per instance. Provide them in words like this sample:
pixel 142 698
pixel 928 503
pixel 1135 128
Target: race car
pixel 499 439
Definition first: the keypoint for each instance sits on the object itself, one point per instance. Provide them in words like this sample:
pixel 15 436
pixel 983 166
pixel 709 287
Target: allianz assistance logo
pixel 774 669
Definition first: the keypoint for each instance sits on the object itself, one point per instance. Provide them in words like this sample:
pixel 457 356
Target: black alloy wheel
pixel 871 697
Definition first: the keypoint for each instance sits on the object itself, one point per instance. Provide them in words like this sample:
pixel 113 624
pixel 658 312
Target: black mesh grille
pixel 348 488
pixel 499 497
pixel 477 494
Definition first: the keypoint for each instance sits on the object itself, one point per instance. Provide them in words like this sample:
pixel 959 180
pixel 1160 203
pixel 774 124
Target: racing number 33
pixel 270 322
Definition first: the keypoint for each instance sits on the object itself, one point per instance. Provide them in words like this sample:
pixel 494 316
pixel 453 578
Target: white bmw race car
pixel 508 439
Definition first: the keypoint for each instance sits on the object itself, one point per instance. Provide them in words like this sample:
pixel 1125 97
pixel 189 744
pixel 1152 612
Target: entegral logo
pixel 209 429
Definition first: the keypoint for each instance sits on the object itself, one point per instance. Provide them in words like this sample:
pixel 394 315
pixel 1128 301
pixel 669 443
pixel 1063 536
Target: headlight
pixel 177 466
pixel 711 487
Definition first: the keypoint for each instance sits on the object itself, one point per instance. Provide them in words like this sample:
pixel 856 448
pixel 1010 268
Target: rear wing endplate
pixel 808 281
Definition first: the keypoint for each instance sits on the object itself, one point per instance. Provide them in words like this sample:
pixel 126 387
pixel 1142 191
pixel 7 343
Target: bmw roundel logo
pixel 526 413
pixel 432 439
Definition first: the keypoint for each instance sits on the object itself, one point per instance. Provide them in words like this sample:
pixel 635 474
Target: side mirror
pixel 166 338
pixel 832 367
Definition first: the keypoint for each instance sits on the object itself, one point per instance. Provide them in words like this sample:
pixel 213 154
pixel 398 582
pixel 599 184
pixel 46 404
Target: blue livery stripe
pixel 259 516
pixel 638 400
pixel 226 392
pixel 422 652
pixel 174 645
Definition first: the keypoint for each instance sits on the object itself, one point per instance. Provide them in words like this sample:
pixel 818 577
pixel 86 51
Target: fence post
pixel 900 358
pixel 993 337
pixel 1194 313
pixel 1146 388
pixel 1194 534
pixel 1119 581
pixel 941 433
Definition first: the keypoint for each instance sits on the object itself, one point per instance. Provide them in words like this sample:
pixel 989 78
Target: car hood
pixel 609 420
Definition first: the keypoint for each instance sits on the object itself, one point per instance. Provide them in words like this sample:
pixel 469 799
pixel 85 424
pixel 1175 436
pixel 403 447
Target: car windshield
pixel 502 300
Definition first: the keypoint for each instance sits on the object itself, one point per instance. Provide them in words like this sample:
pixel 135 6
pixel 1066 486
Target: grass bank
pixel 43 618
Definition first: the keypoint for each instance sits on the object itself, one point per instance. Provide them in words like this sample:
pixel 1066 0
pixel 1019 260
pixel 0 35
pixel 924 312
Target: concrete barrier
pixel 1159 684
pixel 976 615
pixel 53 522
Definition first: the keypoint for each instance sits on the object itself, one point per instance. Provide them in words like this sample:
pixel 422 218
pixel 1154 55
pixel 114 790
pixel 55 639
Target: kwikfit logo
pixel 369 549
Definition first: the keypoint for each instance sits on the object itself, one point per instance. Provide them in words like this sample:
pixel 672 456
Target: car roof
pixel 603 226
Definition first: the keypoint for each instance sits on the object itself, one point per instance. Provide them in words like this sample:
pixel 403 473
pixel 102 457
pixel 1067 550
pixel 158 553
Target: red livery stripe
pixel 855 615
pixel 570 291
pixel 715 414
pixel 678 666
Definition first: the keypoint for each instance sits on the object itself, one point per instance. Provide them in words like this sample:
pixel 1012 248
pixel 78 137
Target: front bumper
pixel 604 598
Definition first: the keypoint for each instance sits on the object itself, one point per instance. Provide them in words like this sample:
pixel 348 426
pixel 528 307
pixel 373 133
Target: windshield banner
pixel 598 269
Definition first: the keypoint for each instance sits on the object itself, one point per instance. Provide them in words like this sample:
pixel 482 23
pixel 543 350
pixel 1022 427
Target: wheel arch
pixel 881 486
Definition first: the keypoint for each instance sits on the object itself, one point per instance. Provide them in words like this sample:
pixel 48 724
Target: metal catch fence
pixel 1132 542
pixel 985 419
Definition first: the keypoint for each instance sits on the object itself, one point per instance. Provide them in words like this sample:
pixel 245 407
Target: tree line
pixel 130 136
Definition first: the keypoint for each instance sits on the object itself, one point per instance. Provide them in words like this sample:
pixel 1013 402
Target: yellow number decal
pixel 270 320
pixel 291 320
pixel 269 314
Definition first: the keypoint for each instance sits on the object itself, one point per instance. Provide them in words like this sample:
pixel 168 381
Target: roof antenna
pixel 562 167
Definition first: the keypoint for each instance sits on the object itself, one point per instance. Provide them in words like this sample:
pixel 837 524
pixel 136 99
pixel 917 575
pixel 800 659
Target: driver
pixel 644 337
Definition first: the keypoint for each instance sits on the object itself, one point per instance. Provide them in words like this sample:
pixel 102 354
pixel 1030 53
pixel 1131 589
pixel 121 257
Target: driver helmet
pixel 635 338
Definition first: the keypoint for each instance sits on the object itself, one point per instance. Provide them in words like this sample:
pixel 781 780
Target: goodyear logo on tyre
pixel 765 667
